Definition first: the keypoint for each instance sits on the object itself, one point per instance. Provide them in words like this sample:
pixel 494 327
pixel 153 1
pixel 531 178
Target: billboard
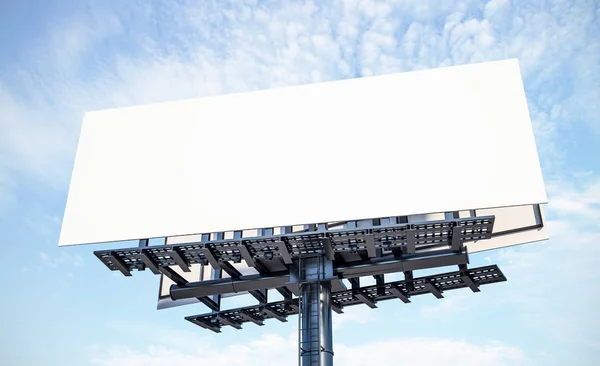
pixel 442 140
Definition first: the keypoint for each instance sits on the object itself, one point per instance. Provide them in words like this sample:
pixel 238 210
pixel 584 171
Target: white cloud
pixel 210 50
pixel 353 315
pixel 495 8
pixel 273 349
pixel 453 303
pixel 57 259
pixel 429 352
pixel 555 289
pixel 7 186
pixel 578 200
pixel 552 285
pixel 556 281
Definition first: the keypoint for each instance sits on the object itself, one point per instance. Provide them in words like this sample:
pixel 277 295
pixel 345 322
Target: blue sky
pixel 61 58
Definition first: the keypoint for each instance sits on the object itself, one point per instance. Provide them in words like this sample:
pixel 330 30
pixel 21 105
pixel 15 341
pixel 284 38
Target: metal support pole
pixel 316 332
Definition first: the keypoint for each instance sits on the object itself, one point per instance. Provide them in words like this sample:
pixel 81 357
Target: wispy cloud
pixel 430 352
pixel 7 186
pixel 58 259
pixel 273 349
pixel 453 303
pixel 551 285
pixel 565 267
pixel 212 49
pixel 353 315
pixel 578 199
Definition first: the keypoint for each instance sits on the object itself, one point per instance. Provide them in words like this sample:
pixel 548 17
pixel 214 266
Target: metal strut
pixel 315 336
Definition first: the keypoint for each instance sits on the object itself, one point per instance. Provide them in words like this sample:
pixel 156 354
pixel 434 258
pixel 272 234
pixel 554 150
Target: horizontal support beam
pixel 434 284
pixel 179 280
pixel 391 264
pixel 374 267
pixel 445 258
pixel 404 238
pixel 229 285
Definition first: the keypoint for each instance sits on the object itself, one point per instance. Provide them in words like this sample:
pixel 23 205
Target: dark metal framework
pixel 272 252
pixel 397 290
pixel 307 268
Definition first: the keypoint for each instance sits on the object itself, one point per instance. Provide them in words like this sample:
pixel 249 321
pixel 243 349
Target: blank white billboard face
pixel 439 140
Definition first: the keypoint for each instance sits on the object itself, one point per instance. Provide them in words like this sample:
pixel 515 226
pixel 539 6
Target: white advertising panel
pixel 441 140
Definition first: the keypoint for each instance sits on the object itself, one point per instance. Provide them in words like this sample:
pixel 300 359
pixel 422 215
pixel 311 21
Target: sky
pixel 58 59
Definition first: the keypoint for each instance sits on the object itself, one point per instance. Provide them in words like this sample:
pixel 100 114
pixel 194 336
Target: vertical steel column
pixel 316 333
pixel 326 334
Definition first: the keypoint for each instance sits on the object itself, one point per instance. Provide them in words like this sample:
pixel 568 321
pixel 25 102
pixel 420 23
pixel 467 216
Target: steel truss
pixel 402 290
pixel 310 264
pixel 269 252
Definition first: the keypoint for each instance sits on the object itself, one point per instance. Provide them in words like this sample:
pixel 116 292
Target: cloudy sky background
pixel 59 59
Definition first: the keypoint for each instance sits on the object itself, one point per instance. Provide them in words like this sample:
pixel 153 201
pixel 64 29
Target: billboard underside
pixel 442 140
pixel 512 226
